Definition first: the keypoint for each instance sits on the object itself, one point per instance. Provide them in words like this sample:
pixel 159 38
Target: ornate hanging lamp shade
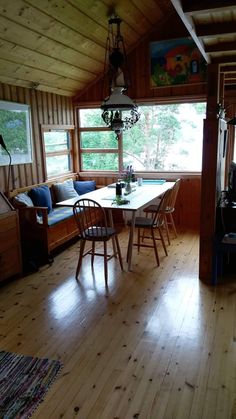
pixel 119 111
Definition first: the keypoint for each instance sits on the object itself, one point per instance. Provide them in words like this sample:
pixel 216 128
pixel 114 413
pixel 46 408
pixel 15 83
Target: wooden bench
pixel 40 236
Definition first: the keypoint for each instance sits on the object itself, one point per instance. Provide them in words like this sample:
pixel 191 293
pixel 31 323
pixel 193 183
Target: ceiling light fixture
pixel 119 111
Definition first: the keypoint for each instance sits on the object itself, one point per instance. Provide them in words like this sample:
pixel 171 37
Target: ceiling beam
pixel 221 47
pixel 188 23
pixel 230 82
pixel 198 6
pixel 213 29
pixel 230 76
pixel 225 59
pixel 228 68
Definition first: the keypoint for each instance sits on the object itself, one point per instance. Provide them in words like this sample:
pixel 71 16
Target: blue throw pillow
pixel 84 186
pixel 41 197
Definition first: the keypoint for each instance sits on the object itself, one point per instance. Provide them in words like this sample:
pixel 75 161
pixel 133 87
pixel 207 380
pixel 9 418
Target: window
pixel 98 145
pixel 166 138
pixel 15 128
pixel 58 150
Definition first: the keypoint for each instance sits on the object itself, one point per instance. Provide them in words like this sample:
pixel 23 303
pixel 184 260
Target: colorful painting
pixel 176 61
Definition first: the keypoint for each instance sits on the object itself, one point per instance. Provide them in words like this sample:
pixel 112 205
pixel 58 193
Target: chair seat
pixel 99 233
pixel 142 222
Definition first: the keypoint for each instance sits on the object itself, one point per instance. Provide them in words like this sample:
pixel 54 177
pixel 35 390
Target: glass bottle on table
pixel 118 189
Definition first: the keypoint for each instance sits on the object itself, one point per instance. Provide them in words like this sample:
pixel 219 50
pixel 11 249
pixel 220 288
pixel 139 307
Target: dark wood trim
pixel 209 175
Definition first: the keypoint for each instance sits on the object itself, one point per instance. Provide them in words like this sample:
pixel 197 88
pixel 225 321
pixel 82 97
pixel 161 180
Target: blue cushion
pixel 84 186
pixel 41 197
pixel 59 214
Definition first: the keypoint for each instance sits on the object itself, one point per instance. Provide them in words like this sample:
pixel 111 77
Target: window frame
pixel 154 174
pixel 70 129
pixel 82 150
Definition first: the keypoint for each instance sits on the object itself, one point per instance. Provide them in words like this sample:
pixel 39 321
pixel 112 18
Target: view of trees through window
pixel 58 150
pixel 166 138
pixel 99 146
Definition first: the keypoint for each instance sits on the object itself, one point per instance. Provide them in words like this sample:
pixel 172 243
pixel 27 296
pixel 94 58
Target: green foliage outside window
pixel 100 161
pixel 166 138
pixel 98 139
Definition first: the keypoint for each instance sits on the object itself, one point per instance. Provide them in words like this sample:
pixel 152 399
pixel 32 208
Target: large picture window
pixel 15 128
pixel 167 138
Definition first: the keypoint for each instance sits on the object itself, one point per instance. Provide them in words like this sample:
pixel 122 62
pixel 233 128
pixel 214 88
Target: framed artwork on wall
pixel 175 62
pixel 15 129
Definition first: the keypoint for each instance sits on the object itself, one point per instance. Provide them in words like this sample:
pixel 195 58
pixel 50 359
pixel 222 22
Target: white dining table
pixel 140 197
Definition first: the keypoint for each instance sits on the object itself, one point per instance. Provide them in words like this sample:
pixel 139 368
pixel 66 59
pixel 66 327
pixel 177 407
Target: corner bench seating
pixel 44 228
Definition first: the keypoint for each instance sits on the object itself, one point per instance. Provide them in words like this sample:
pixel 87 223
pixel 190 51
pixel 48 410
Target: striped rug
pixel 24 381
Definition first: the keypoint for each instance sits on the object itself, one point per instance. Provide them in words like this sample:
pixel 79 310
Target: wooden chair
pixel 156 222
pixel 93 227
pixel 170 208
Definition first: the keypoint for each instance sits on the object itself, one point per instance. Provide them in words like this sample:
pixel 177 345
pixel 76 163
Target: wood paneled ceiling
pixel 59 45
pixel 212 25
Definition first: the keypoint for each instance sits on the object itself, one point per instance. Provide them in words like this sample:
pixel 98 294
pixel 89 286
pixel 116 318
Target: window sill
pixel 144 175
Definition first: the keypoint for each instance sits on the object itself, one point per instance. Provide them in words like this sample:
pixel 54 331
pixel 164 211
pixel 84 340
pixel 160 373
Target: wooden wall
pixel 46 108
pixel 139 66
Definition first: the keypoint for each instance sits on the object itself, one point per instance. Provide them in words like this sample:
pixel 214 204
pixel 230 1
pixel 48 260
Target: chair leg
pixel 163 241
pixel 155 247
pixel 146 215
pixel 173 225
pixel 143 235
pixel 93 251
pixel 167 229
pixel 139 235
pixel 105 262
pixel 119 252
pixel 127 255
pixel 81 252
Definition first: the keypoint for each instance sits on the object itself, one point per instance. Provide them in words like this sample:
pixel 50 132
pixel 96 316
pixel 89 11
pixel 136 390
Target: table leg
pixel 131 239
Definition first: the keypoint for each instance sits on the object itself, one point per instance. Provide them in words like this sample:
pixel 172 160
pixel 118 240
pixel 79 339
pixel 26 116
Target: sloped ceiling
pixel 59 45
pixel 212 25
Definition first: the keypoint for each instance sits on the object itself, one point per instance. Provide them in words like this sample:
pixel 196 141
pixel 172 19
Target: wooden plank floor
pixel 157 344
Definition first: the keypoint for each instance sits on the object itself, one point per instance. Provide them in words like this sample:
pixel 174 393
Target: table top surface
pixel 138 198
